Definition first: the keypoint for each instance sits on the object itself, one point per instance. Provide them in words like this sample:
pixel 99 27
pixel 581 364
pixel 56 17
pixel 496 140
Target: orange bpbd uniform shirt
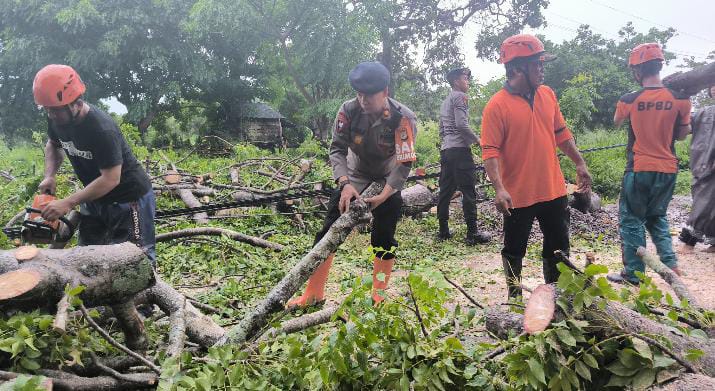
pixel 524 137
pixel 654 115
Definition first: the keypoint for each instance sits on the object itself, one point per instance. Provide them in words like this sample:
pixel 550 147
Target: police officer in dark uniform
pixel 373 141
pixel 457 166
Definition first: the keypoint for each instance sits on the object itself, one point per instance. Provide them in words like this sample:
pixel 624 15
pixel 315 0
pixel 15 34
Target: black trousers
pixel 384 223
pixel 120 222
pixel 458 172
pixel 554 218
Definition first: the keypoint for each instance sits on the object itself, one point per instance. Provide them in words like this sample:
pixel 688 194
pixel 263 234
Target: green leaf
pixel 411 352
pixel 673 315
pixel 594 269
pixel 590 361
pixel 642 348
pixel 617 368
pixel 405 383
pixel 618 381
pixel 662 361
pixel 644 379
pixel 694 354
pixel 29 364
pixel 697 333
pixel 566 337
pixel 537 370
pixel 669 299
pixel 44 323
pixel 583 370
pixel 380 277
pixel 76 290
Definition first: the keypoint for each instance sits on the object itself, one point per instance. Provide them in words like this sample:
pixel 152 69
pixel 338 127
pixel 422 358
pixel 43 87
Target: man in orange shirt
pixel 657 117
pixel 522 126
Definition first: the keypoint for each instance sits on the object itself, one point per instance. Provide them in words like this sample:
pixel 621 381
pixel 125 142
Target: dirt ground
pixel 481 273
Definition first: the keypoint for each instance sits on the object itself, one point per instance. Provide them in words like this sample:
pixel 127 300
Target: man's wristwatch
pixel 343 183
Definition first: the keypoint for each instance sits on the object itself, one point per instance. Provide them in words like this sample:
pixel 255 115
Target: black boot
pixel 512 272
pixel 551 272
pixel 475 237
pixel 444 232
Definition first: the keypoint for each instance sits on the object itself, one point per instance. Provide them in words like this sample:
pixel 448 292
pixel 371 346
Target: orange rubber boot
pixel 315 290
pixel 380 266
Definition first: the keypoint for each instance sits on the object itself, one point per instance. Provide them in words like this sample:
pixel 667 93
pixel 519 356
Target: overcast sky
pixel 694 21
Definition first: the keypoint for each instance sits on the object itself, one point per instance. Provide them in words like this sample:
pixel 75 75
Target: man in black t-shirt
pixel 117 202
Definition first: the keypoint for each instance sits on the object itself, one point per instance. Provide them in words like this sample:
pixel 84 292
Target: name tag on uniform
pixel 404 142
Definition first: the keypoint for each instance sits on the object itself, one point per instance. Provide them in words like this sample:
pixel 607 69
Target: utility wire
pixel 611 35
pixel 650 21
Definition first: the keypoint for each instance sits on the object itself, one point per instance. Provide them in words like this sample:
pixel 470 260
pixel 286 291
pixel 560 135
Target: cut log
pixel 172 177
pixel 201 231
pixel 298 275
pixel 18 282
pixel 111 274
pixel 540 309
pixel 26 253
pixel 669 276
pixel 693 81
pixel 417 199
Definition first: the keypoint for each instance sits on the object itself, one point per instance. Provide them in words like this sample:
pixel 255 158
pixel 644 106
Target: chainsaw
pixel 36 230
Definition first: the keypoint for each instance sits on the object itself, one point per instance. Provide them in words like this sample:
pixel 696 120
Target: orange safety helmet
pixel 645 52
pixel 522 46
pixel 57 85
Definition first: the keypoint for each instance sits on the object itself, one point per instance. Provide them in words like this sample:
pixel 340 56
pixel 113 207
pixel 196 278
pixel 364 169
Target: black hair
pixel 649 68
pixel 454 74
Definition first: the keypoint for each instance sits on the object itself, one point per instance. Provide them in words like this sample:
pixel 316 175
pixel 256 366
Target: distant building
pixel 261 125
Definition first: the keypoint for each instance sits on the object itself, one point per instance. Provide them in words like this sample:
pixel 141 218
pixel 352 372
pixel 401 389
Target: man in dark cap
pixel 373 141
pixel 457 166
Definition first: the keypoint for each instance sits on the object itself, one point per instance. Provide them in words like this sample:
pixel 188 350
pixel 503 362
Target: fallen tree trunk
pixel 197 190
pixel 201 231
pixel 300 323
pixel 111 274
pixel 200 328
pixel 687 382
pixel 7 176
pixel 669 276
pixel 617 319
pixel 417 199
pixel 298 275
pixel 693 81
pixel 190 200
pixel 67 381
pixel 503 323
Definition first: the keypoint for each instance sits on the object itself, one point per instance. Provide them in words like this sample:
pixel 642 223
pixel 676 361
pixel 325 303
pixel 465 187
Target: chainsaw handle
pixel 62 219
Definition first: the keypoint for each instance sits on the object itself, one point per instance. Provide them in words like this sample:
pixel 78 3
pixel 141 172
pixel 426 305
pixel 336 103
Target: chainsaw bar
pixel 12 233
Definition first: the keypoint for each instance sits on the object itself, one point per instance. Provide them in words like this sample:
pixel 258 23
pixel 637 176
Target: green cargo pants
pixel 644 201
